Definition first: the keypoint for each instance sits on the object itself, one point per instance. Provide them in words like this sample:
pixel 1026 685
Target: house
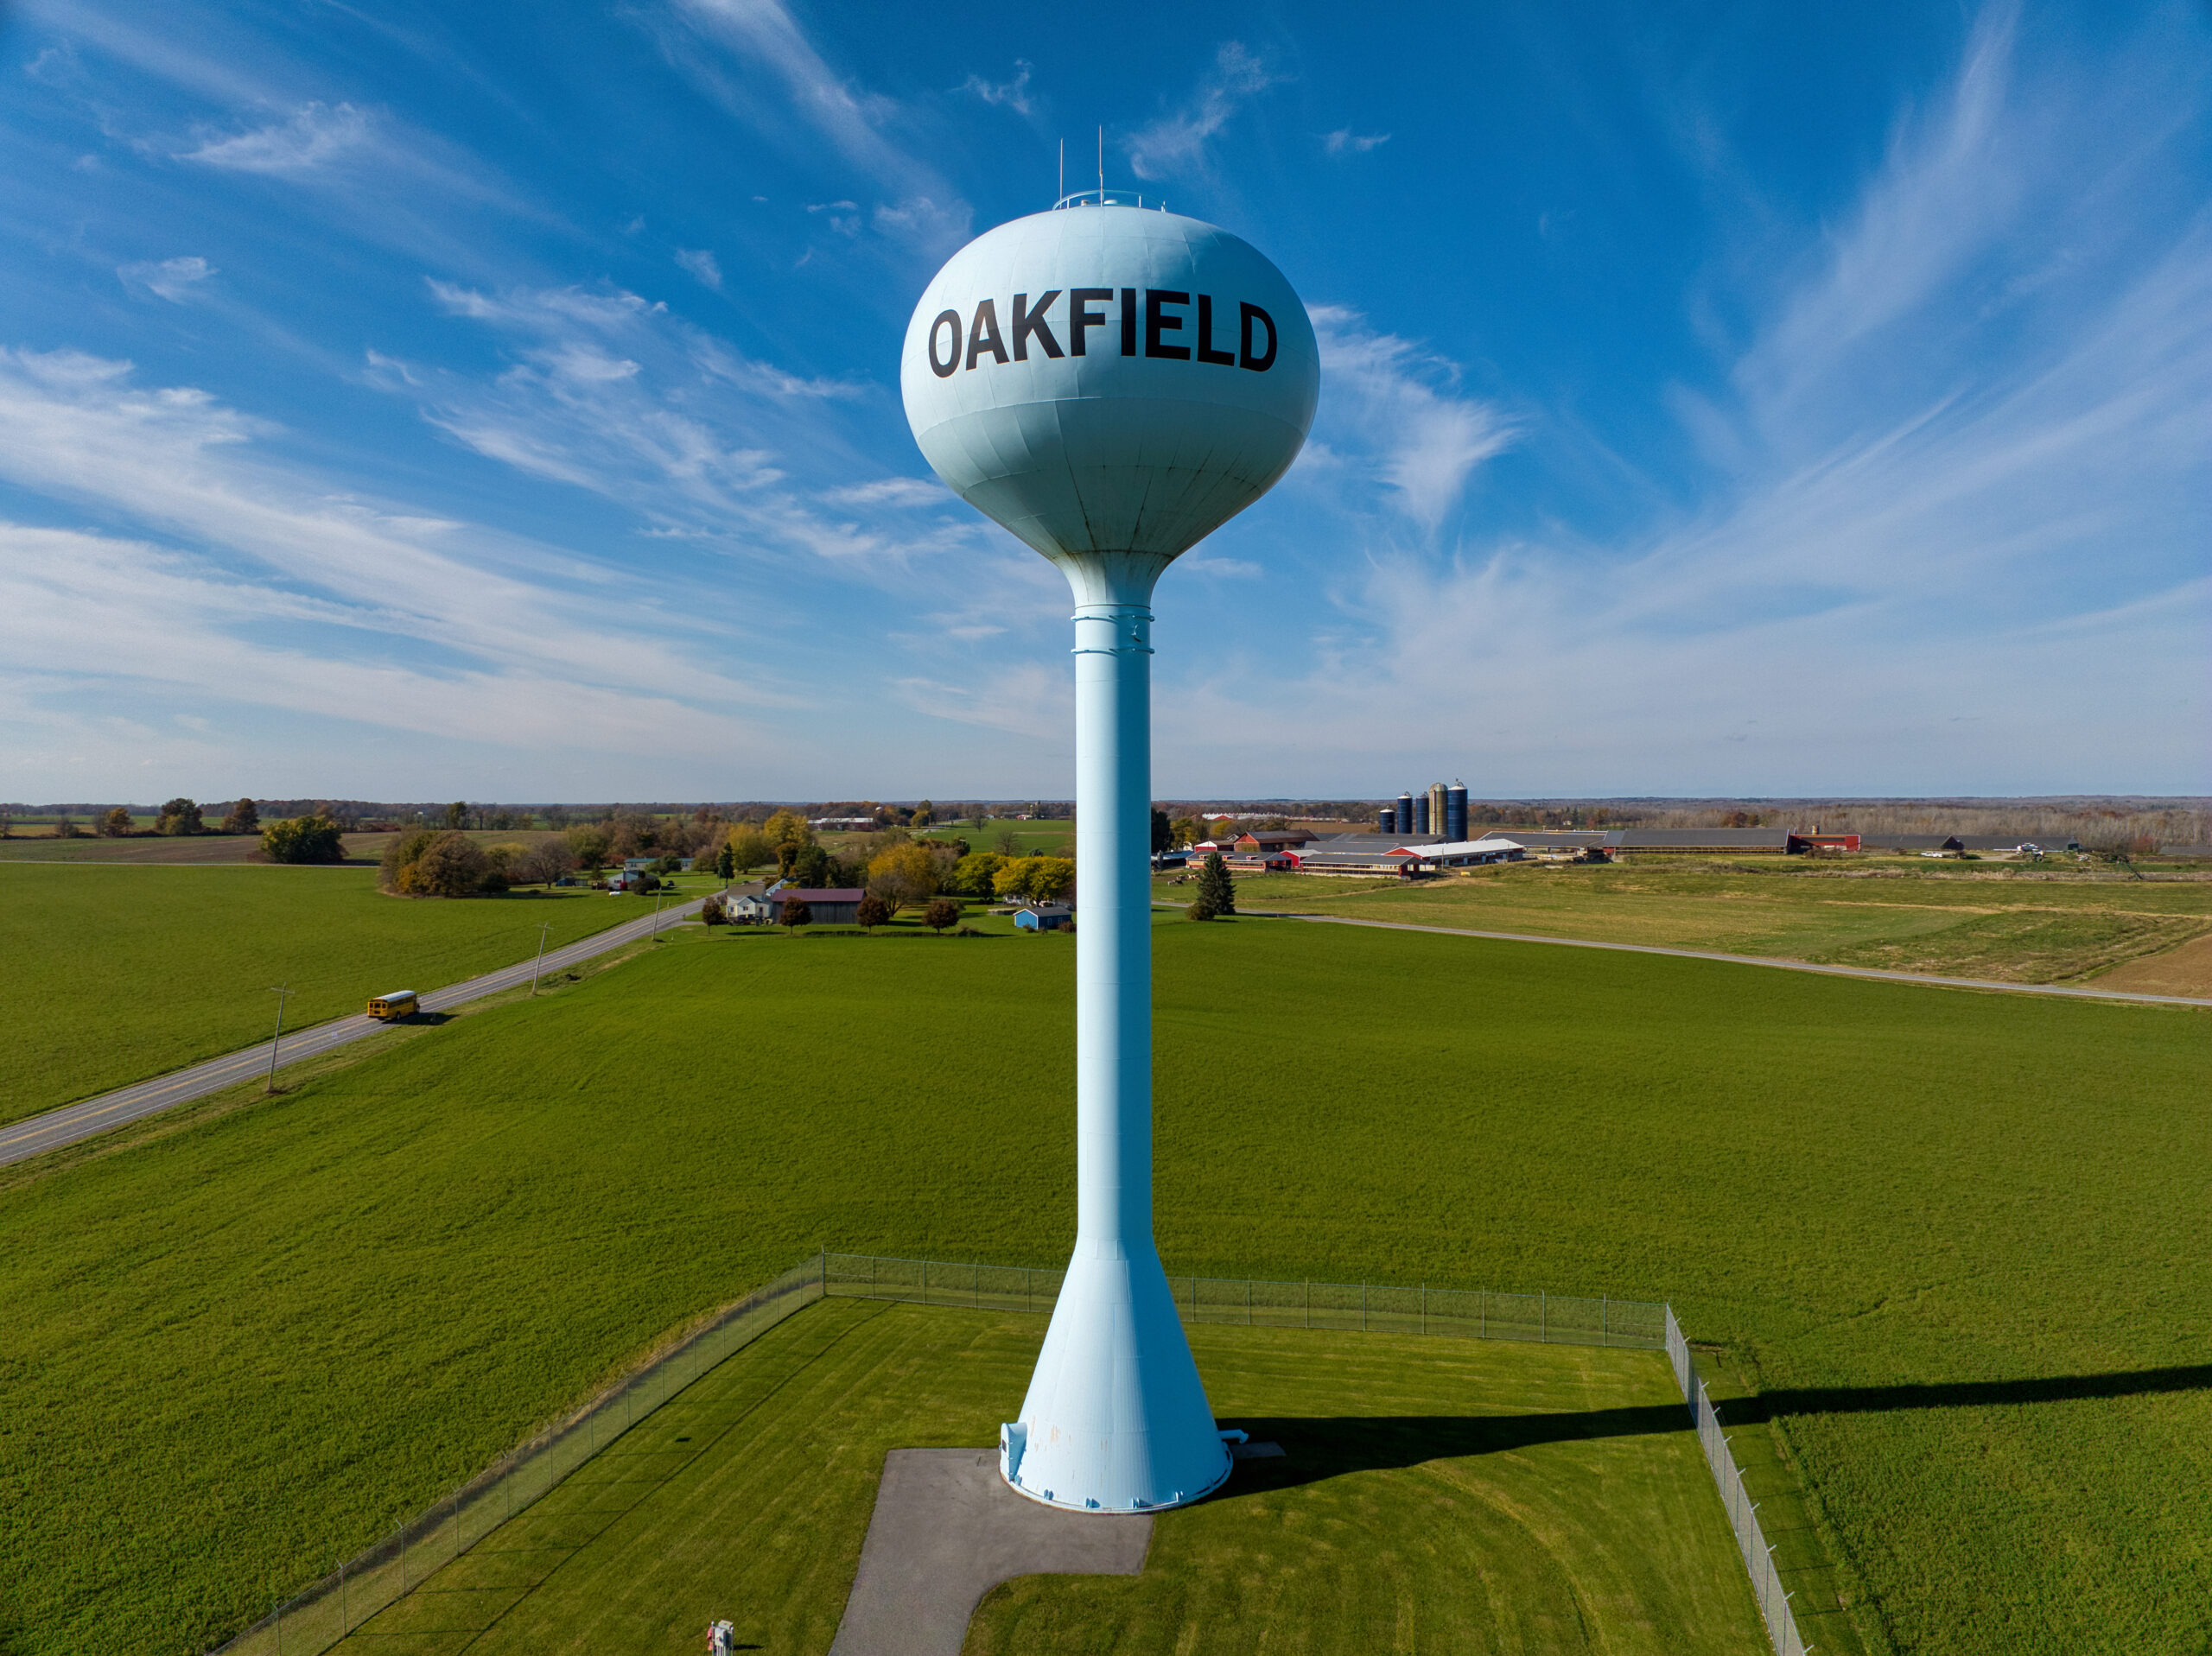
pixel 831 905
pixel 751 905
pixel 1045 916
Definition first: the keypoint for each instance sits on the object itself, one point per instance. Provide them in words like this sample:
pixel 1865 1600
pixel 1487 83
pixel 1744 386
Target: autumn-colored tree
pixel 972 875
pixel 590 844
pixel 116 823
pixel 451 864
pixel 179 815
pixel 1037 879
pixel 748 847
pixel 244 817
pixel 942 912
pixel 787 835
pixel 873 912
pixel 302 839
pixel 794 913
pixel 904 874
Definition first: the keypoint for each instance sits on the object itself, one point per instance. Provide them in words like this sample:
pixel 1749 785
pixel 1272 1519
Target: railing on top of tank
pixel 1466 1313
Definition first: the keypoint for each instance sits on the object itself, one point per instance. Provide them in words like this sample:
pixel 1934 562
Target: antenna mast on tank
pixel 1101 166
pixel 1063 194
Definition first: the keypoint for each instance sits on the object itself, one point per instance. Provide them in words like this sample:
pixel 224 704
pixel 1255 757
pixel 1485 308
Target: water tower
pixel 1111 383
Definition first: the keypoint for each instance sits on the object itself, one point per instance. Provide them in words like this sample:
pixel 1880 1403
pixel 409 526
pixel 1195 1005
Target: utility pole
pixel 282 991
pixel 658 901
pixel 543 929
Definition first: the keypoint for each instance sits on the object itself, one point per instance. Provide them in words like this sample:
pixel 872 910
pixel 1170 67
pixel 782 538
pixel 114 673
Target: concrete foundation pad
pixel 946 1530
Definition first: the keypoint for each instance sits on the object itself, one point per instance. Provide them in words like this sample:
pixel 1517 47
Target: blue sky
pixel 501 401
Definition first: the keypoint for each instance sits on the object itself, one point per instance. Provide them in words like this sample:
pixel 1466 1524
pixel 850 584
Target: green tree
pixel 302 839
pixel 179 815
pixel 812 866
pixel 941 913
pixel 1217 891
pixel 793 912
pixel 972 874
pixel 116 823
pixel 925 813
pixel 1163 832
pixel 457 814
pixel 874 911
pixel 244 817
pixel 589 843
pixel 725 863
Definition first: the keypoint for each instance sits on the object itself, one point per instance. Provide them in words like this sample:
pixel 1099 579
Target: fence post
pixel 1482 1313
pixel 1248 1302
pixel 1309 1302
pixel 871 1276
pixel 1424 1308
pixel 1606 1319
pixel 926 1282
pixel 1363 1307
pixel 344 1617
pixel 1544 1307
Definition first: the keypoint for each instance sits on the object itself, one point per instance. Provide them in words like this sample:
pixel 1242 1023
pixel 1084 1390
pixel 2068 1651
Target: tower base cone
pixel 1116 1420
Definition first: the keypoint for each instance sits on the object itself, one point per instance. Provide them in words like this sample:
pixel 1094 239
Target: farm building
pixel 1470 853
pixel 1265 840
pixel 833 906
pixel 1045 916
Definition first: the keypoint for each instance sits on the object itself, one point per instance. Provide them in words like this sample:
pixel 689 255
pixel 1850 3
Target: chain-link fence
pixel 315 1620
pixel 1743 1511
pixel 1367 1307
pixel 318 1618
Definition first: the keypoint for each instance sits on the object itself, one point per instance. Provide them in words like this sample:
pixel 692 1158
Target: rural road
pixel 1743 959
pixel 22 1140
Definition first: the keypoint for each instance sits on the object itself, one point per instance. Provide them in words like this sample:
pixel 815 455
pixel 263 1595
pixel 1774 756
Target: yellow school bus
pixel 399 1004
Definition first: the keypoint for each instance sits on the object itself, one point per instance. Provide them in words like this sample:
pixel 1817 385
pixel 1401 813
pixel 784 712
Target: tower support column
pixel 1116 1418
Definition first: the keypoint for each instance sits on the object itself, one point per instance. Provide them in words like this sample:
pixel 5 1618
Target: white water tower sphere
pixel 1111 385
pixel 1109 380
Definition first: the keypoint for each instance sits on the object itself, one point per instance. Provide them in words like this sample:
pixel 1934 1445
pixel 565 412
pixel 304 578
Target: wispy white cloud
pixel 170 279
pixel 1401 406
pixel 1176 143
pixel 1345 142
pixel 256 541
pixel 313 137
pixel 607 392
pixel 1926 530
pixel 702 265
pixel 1012 94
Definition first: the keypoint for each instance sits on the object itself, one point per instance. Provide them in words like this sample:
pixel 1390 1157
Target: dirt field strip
pixel 2069 991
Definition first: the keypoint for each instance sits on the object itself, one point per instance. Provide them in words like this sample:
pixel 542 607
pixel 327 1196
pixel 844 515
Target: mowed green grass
pixel 1432 1495
pixel 2012 924
pixel 114 974
pixel 238 1352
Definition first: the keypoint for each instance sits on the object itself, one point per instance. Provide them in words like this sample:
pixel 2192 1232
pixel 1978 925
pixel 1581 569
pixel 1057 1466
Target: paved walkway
pixel 947 1529
pixel 39 1133
pixel 2066 990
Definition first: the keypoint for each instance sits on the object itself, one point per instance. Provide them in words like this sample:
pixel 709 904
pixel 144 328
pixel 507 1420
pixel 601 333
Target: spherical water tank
pixel 1109 380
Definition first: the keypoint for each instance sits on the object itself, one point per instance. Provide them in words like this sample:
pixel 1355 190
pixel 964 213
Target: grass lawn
pixel 2014 926
pixel 113 974
pixel 1433 1494
pixel 1952 1240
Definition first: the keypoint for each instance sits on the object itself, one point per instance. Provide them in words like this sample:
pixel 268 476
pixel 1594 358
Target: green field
pixel 114 974
pixel 1433 1494
pixel 1953 1239
pixel 2019 926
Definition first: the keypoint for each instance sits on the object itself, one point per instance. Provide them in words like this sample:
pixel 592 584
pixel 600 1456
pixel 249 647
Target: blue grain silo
pixel 1420 812
pixel 1386 820
pixel 1406 814
pixel 1455 812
